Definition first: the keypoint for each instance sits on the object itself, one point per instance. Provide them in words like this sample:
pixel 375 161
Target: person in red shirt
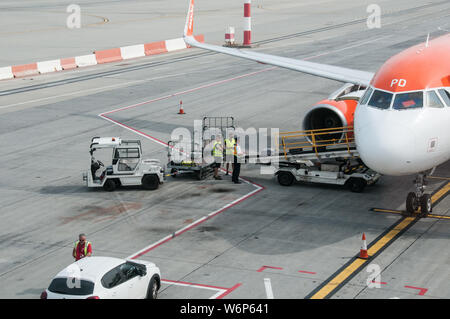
pixel 82 248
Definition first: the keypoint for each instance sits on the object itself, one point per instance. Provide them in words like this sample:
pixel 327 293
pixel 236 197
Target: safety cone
pixel 181 108
pixel 363 253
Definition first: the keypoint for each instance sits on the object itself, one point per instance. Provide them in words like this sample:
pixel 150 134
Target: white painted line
pixel 69 94
pixel 219 292
pixel 268 286
pixel 90 90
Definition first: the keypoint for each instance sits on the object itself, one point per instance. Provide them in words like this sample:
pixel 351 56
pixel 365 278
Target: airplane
pixel 400 114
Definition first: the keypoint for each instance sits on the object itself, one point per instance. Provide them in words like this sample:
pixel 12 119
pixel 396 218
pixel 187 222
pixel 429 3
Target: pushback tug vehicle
pixel 127 169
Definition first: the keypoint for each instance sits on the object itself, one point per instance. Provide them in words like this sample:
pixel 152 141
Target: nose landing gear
pixel 419 199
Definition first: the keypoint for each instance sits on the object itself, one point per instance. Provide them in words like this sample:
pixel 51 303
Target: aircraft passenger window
pixel 433 100
pixel 406 101
pixel 445 96
pixel 366 96
pixel 380 99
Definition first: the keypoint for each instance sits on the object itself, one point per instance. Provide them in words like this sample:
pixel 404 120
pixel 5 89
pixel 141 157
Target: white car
pixel 105 278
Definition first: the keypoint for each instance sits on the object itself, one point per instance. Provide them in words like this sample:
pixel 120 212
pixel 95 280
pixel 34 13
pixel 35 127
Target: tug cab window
pixel 410 100
pixel 433 100
pixel 127 153
pixel 445 94
pixel 381 99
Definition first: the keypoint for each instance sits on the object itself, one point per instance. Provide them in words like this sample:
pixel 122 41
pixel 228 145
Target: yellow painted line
pixel 357 263
pixel 387 211
pixel 389 236
pixel 439 216
pixel 444 190
pixel 400 212
pixel 376 247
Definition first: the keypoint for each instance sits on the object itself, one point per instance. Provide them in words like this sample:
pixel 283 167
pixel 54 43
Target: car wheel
pixel 150 182
pixel 109 185
pixel 153 287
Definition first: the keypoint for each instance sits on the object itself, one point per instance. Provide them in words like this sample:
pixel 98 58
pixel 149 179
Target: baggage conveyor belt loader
pixel 327 156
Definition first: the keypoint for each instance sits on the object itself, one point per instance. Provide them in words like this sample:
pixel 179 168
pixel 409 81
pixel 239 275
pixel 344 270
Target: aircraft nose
pixel 387 149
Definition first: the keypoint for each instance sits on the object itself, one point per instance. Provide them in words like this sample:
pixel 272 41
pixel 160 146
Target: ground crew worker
pixel 82 248
pixel 229 152
pixel 218 156
pixel 237 162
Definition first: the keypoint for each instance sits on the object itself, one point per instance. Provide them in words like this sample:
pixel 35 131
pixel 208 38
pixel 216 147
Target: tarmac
pixel 303 238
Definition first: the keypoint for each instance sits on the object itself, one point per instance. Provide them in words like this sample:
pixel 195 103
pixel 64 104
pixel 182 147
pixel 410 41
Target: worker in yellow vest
pixel 82 248
pixel 238 156
pixel 217 152
pixel 229 152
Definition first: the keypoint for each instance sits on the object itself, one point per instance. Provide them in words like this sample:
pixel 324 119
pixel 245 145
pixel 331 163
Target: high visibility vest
pixel 86 245
pixel 237 150
pixel 217 152
pixel 229 145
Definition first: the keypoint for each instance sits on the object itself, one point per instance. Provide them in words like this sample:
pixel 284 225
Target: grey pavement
pixel 46 123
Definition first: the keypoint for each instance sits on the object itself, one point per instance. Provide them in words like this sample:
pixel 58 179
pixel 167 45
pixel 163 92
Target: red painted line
pixel 422 291
pixel 195 224
pixel 268 267
pixel 134 130
pixel 379 282
pixel 230 290
pixel 187 91
pixel 307 272
pixel 213 214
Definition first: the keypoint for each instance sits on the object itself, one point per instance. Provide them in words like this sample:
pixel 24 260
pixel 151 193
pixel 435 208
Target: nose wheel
pixel 419 199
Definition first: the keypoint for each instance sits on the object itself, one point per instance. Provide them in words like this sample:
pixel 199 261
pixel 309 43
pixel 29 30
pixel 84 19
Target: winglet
pixel 189 27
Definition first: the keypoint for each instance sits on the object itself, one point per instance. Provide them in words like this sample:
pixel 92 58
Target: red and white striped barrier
pixel 98 57
pixel 247 22
pixel 6 73
pixel 229 35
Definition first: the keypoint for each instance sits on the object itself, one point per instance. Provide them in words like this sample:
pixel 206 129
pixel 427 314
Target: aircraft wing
pixel 322 70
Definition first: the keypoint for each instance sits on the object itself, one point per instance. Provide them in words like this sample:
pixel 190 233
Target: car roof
pixel 92 268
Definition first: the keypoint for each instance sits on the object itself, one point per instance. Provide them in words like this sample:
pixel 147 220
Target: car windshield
pixel 381 99
pixel 410 100
pixel 71 286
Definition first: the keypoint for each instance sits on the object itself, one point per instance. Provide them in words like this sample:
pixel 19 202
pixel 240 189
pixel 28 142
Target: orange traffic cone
pixel 181 108
pixel 363 252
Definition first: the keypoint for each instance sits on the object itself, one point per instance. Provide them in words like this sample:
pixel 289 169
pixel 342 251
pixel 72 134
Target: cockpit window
pixel 366 96
pixel 445 96
pixel 381 99
pixel 406 101
pixel 433 100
